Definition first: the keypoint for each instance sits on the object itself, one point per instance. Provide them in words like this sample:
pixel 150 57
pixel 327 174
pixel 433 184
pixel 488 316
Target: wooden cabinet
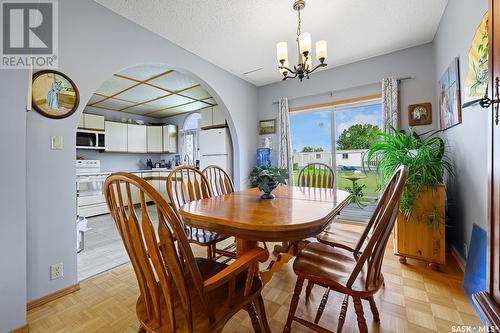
pixel 137 138
pixel 92 122
pixel 116 137
pixel 155 139
pixel 212 117
pixel 170 139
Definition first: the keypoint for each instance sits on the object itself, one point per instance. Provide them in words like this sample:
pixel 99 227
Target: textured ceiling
pixel 151 90
pixel 241 35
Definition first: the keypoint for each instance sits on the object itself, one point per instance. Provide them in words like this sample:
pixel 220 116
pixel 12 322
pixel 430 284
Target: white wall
pixel 13 90
pixel 94 43
pixel 468 142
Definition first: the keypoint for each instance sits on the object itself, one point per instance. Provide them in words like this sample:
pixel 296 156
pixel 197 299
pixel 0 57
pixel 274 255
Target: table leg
pixel 243 245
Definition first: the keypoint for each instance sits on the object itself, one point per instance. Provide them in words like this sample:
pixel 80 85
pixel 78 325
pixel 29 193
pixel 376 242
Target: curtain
pixel 284 139
pixel 390 104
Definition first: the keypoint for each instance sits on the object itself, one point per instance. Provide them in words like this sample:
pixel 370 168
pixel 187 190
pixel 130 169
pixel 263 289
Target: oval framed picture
pixel 54 95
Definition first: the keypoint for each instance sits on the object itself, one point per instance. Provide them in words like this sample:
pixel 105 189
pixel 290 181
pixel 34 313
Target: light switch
pixel 56 142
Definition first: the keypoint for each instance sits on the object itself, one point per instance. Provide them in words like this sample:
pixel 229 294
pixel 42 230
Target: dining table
pixel 295 213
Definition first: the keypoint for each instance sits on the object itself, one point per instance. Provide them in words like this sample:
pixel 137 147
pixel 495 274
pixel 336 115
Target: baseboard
pixel 458 258
pixel 23 329
pixel 50 297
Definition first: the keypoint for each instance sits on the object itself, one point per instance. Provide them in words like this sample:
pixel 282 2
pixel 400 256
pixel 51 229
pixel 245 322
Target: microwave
pixel 90 140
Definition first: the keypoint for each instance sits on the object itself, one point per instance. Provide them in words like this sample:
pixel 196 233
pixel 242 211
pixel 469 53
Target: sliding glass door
pixel 340 137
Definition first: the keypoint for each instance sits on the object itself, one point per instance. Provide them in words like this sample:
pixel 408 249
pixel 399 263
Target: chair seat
pixel 224 307
pixel 204 237
pixel 339 235
pixel 331 266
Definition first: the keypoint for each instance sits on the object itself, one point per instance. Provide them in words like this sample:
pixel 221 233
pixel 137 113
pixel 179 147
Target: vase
pixel 267 195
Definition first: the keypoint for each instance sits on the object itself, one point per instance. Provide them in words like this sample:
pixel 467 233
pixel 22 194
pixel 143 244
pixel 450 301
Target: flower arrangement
pixel 267 179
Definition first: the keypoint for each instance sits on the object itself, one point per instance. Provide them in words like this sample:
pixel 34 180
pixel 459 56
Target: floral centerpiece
pixel 267 179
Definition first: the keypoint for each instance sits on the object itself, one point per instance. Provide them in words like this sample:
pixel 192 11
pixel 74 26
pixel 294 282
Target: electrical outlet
pixel 56 271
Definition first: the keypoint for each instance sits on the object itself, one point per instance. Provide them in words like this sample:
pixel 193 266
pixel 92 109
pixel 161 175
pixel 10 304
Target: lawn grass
pixel 371 181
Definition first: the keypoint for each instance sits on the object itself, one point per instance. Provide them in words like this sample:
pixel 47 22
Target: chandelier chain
pixel 299 24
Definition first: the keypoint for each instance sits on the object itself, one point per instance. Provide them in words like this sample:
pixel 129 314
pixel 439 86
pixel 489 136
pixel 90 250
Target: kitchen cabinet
pixel 136 138
pixel 116 137
pixel 170 139
pixel 155 139
pixel 218 118
pixel 212 117
pixel 92 122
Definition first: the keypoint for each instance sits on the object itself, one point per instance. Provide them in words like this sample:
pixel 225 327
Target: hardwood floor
pixel 414 299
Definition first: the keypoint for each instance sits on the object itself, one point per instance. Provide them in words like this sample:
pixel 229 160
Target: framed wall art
pixel 420 114
pixel 450 109
pixel 267 126
pixel 54 94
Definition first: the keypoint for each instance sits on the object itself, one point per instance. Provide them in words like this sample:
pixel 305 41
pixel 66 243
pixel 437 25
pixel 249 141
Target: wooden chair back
pixel 316 175
pixel 219 180
pixel 163 262
pixel 185 184
pixel 373 241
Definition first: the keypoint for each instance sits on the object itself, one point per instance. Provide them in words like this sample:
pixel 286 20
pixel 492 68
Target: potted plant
pixel 267 179
pixel 420 226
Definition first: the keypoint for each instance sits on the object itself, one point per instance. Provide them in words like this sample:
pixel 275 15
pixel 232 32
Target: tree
pixel 309 149
pixel 358 137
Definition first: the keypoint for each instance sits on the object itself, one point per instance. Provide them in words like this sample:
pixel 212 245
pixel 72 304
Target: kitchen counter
pixel 130 171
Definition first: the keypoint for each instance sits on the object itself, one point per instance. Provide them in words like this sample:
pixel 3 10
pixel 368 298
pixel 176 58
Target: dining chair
pixel 357 273
pixel 219 180
pixel 185 184
pixel 316 175
pixel 178 292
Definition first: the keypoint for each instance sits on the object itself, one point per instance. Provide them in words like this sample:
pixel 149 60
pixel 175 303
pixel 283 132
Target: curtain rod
pixel 332 92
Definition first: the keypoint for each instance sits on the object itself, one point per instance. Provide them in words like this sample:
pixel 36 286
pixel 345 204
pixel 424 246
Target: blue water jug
pixel 263 157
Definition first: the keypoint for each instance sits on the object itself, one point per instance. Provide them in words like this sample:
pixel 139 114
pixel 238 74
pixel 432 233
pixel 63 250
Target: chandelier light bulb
pixel 305 42
pixel 282 51
pixel 321 52
pixel 284 71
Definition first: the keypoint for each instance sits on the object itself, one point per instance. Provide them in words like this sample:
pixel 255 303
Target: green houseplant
pixel 420 227
pixel 267 179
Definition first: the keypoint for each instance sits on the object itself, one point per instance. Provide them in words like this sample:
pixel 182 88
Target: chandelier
pixel 305 65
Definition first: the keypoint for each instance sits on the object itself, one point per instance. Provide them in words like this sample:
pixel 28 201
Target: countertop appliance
pixel 89 188
pixel 216 149
pixel 86 139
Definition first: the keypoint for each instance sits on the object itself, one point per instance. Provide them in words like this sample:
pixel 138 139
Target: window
pixel 345 156
pixel 318 156
pixel 190 137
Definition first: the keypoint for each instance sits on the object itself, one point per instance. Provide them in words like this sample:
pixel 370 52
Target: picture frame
pixel 267 126
pixel 420 114
pixel 450 107
pixel 54 95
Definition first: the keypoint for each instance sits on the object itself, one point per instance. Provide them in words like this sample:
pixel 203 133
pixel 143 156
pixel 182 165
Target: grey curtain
pixel 390 104
pixel 284 139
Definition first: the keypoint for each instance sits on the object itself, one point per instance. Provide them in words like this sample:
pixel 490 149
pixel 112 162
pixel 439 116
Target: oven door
pixel 90 185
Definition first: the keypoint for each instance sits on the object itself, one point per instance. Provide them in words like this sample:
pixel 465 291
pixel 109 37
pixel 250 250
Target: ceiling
pixel 151 90
pixel 241 35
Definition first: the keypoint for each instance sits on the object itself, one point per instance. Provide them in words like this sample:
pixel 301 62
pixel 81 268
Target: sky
pixel 314 128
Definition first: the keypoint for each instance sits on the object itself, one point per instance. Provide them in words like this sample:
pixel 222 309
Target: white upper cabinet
pixel 218 118
pixel 137 138
pixel 91 122
pixel 212 117
pixel 116 137
pixel 155 139
pixel 170 139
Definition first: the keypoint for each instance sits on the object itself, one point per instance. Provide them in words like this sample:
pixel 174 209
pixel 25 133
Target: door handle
pixel 486 102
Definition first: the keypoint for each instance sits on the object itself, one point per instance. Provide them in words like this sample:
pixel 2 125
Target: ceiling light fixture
pixel 304 66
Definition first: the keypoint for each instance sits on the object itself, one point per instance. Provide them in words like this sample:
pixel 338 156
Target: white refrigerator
pixel 215 149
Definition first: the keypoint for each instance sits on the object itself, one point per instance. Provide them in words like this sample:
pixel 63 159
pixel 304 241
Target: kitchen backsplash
pixel 122 161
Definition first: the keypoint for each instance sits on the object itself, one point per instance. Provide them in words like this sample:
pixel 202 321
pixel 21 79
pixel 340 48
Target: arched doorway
pixel 144 119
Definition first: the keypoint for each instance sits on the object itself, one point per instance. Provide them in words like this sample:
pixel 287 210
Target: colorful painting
pixel 477 75
pixel 450 110
pixel 54 95
pixel 267 126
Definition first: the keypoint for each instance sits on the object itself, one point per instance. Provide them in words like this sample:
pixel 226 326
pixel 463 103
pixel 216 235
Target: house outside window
pixel 318 156
pixel 345 156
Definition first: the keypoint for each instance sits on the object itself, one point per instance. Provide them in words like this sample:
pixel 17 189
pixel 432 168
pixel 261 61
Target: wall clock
pixel 420 114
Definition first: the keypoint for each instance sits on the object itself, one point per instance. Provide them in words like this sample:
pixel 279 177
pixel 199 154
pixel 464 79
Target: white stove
pixel 89 188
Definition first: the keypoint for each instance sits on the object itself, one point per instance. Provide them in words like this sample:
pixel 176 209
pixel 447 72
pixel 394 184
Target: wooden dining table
pixel 295 213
